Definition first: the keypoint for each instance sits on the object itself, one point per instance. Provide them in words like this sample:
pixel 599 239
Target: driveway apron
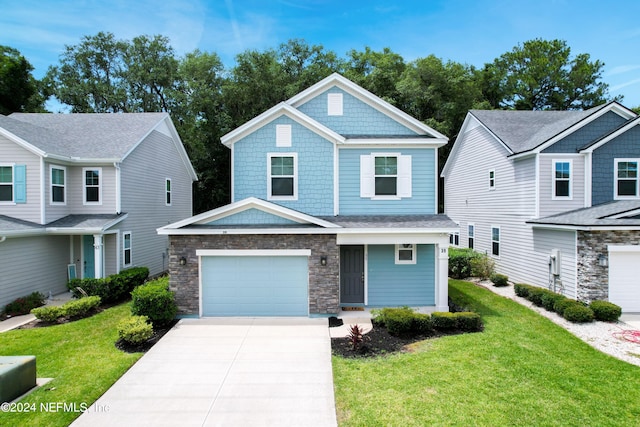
pixel 226 372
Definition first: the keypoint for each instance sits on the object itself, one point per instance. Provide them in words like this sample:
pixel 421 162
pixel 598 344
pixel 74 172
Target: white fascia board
pixel 623 215
pixel 356 232
pixel 253 252
pixel 367 97
pixel 395 237
pixel 623 248
pixel 275 112
pixel 587 227
pixel 408 142
pixel 21 233
pixel 21 142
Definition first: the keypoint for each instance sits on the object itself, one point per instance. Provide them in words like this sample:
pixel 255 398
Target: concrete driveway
pixel 227 372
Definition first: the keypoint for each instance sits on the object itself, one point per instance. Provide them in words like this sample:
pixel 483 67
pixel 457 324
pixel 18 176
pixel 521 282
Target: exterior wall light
pixel 183 261
pixel 323 260
pixel 602 260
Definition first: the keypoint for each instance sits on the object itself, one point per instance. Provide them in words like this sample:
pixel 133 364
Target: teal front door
pixel 88 268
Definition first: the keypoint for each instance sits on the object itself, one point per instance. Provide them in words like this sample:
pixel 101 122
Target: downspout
pixel 116 165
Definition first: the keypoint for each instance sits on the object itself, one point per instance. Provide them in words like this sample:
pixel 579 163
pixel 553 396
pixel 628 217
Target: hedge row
pixel 72 309
pixel 110 289
pixel 407 322
pixel 570 309
pixel 24 305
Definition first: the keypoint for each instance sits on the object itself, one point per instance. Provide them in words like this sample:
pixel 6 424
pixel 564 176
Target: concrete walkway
pixel 227 372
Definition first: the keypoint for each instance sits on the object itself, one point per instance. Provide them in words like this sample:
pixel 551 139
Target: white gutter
pixel 43 193
pixel 118 188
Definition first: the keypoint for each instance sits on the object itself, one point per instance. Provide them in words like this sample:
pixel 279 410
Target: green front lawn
pixel 523 370
pixel 80 356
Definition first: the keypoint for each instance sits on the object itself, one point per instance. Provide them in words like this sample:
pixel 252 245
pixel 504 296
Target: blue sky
pixel 472 32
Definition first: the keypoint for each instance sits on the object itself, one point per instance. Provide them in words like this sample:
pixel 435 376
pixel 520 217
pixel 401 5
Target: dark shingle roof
pixel 597 216
pixel 86 136
pixel 13 225
pixel 392 221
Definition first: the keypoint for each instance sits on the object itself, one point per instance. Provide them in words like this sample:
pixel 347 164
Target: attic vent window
pixel 334 104
pixel 283 135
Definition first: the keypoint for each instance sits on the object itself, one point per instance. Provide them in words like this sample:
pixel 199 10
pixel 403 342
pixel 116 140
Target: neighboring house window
pixel 406 253
pixel 13 183
pixel 58 189
pixel 492 179
pixel 283 135
pixel 126 248
pixel 561 179
pixel 385 176
pixel 472 232
pixel 626 178
pixel 92 185
pixel 495 241
pixel 167 187
pixel 282 182
pixel 6 183
pixel 454 238
pixel 334 104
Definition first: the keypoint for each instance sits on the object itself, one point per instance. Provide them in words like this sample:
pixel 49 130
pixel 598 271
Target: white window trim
pixel 404 181
pixel 499 241
pixel 469 236
pixel 124 250
pixel 453 237
pixel 615 179
pixel 295 176
pixel 283 135
pixel 554 180
pixel 13 184
pixel 168 192
pixel 84 186
pixel 414 254
pixel 492 181
pixel 51 185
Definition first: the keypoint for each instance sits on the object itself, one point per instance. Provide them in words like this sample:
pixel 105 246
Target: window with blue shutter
pixel 13 184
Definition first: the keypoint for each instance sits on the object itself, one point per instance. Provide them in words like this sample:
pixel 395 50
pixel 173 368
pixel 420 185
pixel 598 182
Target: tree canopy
pixel 207 100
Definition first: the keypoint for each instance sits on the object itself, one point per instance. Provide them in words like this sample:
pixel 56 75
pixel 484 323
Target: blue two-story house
pixel 334 204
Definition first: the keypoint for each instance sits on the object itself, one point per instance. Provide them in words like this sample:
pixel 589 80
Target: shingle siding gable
pixel 587 134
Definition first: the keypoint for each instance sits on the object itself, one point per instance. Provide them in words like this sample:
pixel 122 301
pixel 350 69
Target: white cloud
pixel 621 69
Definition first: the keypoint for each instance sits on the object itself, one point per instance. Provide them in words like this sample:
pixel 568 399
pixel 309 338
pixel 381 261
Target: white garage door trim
pixel 616 295
pixel 241 252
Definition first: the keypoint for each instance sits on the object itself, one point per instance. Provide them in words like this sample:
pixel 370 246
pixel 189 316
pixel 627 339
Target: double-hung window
pixel 6 183
pixel 92 185
pixel 495 241
pixel 626 179
pixel 282 180
pixel 58 189
pixel 385 176
pixel 126 248
pixel 561 179
pixel 167 189
pixel 471 230
pixel 492 179
pixel 454 238
pixel 406 253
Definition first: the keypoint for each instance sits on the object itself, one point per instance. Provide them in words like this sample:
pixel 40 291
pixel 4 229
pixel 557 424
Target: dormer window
pixel 626 179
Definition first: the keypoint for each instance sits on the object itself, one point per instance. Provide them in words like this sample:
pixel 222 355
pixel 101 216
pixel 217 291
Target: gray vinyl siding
pixel 549 206
pixel 143 175
pixel 56 211
pixel 31 264
pixel 524 253
pixel 12 153
pixel 75 191
pixel 111 249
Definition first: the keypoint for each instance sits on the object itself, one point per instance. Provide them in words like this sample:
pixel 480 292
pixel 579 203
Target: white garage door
pixel 624 280
pixel 255 285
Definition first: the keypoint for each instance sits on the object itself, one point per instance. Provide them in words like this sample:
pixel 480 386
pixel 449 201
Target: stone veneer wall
pixel 592 278
pixel 323 280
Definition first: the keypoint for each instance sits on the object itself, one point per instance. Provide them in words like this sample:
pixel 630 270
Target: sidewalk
pixel 16 322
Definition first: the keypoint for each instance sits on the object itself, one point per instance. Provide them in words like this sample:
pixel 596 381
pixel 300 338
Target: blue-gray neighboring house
pixel 334 204
pixel 553 197
pixel 82 195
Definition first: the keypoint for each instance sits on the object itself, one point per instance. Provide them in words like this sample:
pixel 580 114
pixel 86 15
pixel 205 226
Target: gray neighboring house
pixel 553 197
pixel 85 193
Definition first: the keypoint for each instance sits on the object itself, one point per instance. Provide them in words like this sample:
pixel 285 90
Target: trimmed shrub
pixel 80 307
pixel 577 312
pixel 521 290
pixel 535 295
pixel 561 305
pixel 24 305
pixel 135 329
pixel 49 313
pixel 422 323
pixel 605 311
pixel 468 321
pixel 399 321
pixel 482 266
pixel 154 300
pixel 91 287
pixel 549 300
pixel 111 289
pixel 499 280
pixel 460 262
pixel 444 321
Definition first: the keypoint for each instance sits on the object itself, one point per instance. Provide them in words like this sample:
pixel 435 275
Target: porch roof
pixel 618 214
pixel 393 221
pixel 70 224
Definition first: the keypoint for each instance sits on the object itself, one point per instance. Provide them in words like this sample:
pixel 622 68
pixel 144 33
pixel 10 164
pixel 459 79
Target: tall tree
pixel 378 72
pixel 305 65
pixel 542 75
pixel 19 90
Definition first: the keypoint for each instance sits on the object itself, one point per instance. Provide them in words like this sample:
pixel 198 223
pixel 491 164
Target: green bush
pixel 499 280
pixel 24 305
pixel 460 262
pixel 521 290
pixel 605 311
pixel 154 300
pixel 114 288
pixel 422 323
pixel 443 321
pixel 80 307
pixel 399 321
pixel 577 312
pixel 482 266
pixel 135 329
pixel 468 321
pixel 49 313
pixel 91 287
pixel 549 300
pixel 561 305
